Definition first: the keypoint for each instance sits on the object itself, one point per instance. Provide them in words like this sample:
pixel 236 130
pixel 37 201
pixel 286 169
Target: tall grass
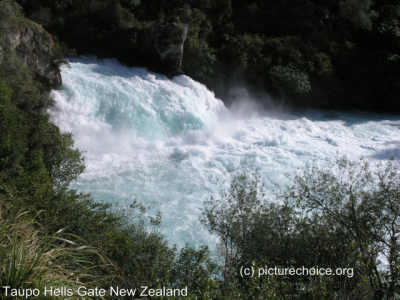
pixel 29 259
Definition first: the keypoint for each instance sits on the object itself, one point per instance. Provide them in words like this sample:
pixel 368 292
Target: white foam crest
pixel 171 143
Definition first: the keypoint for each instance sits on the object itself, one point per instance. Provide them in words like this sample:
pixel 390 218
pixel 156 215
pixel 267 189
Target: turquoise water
pixel 171 144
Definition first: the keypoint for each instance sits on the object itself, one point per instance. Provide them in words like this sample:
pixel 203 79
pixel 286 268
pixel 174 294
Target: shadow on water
pixel 393 151
pixel 348 117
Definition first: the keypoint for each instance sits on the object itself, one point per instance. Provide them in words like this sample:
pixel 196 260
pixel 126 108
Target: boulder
pixel 164 43
pixel 33 46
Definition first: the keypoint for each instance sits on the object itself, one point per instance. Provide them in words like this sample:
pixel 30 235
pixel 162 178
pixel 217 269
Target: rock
pixel 164 42
pixel 157 46
pixel 32 45
pixel 183 15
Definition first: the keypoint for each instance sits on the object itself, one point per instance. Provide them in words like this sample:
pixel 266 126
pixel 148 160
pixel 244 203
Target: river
pixel 170 144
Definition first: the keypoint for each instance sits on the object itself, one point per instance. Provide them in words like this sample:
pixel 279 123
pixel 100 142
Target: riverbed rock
pixel 164 43
pixel 33 47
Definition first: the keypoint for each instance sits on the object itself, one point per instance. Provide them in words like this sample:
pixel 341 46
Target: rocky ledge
pixel 32 45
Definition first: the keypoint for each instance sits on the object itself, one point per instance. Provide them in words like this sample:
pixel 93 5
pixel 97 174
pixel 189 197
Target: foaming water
pixel 171 143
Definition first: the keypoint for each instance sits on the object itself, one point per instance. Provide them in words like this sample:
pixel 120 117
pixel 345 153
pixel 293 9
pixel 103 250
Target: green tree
pixel 346 216
pixel 363 202
pixel 290 79
pixel 358 12
pixel 194 269
pixel 233 216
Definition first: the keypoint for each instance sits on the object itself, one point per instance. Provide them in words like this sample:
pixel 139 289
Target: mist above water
pixel 171 143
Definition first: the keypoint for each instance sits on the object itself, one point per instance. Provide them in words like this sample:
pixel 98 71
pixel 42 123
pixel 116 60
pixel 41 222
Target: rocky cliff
pixel 164 42
pixel 110 30
pixel 157 45
pixel 30 43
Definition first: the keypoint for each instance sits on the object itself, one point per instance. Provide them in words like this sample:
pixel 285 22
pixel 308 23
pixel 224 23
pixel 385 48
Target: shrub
pixel 363 204
pixel 345 216
pixel 290 79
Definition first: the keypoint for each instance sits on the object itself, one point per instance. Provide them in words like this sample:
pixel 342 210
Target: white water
pixel 171 143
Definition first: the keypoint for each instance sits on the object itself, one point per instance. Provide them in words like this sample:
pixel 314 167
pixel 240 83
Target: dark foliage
pixel 346 216
pixel 348 51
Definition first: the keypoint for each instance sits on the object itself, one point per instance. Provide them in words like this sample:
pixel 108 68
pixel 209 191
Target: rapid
pixel 170 144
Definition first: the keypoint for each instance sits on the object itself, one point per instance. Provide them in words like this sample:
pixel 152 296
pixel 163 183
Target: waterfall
pixel 170 144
